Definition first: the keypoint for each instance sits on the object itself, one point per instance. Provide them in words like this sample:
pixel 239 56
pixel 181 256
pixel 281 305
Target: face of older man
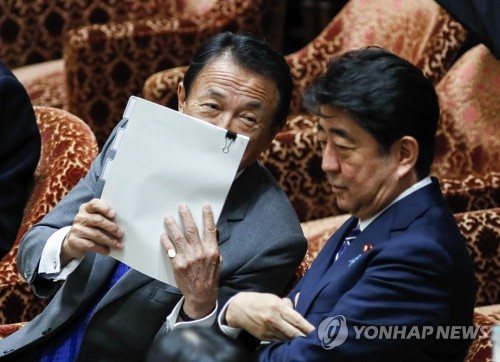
pixel 363 178
pixel 236 99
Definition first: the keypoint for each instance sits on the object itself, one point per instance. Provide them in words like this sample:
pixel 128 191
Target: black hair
pixel 386 95
pixel 253 54
pixel 197 344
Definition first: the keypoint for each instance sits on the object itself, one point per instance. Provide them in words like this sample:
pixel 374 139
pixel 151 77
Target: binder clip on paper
pixel 230 137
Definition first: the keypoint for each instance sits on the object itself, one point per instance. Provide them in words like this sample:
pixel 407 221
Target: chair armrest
pixel 473 192
pixel 68 148
pixel 481 230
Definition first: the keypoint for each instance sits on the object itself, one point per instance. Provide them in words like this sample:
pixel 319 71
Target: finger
pixel 98 206
pixel 294 319
pixel 94 235
pixel 174 233
pixel 209 224
pixel 190 227
pixel 98 221
pixel 83 245
pixel 168 246
pixel 287 331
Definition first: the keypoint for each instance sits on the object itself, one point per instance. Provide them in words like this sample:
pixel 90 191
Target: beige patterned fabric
pixel 481 348
pixel 33 31
pixel 48 90
pixel 472 193
pixel 481 230
pixel 468 138
pixel 68 148
pixel 419 31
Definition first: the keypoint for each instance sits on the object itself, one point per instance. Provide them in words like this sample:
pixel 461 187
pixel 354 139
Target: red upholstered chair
pixel 481 348
pixel 421 32
pixel 104 64
pixel 68 148
pixel 32 34
pixel 468 139
pixel 34 31
pixel 467 159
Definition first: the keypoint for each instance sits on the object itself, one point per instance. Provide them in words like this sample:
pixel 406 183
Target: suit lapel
pixel 397 217
pixel 320 266
pixel 105 265
pixel 237 202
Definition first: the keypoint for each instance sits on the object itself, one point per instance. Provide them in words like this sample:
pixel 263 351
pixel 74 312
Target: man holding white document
pixel 104 310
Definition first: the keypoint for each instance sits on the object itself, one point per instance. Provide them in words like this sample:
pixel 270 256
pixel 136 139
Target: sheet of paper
pixel 165 158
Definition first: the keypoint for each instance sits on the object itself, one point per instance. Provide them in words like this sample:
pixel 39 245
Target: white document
pixel 166 158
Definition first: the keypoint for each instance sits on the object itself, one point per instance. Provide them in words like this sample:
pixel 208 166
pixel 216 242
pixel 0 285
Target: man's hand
pixel 266 316
pixel 196 263
pixel 93 230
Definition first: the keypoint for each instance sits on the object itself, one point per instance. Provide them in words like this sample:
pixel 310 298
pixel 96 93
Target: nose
pixel 224 120
pixel 330 162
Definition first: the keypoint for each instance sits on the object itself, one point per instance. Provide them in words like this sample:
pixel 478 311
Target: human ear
pixel 181 97
pixel 406 152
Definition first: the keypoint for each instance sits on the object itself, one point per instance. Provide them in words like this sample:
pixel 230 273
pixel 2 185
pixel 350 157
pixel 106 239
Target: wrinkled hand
pixel 93 230
pixel 266 316
pixel 197 263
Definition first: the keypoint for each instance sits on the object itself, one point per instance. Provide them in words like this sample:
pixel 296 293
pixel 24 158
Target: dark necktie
pixel 353 234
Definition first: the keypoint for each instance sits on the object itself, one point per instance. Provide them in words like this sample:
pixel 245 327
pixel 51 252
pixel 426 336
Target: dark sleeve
pixel 19 155
pixel 393 290
pixel 480 17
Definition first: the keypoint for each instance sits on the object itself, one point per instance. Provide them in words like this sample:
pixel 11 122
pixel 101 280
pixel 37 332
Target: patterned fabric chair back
pixel 106 64
pixel 68 149
pixel 419 31
pixel 34 31
pixel 468 139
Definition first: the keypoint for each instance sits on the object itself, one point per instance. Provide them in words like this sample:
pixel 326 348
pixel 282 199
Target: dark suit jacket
pixel 19 154
pixel 260 240
pixel 480 17
pixel 417 273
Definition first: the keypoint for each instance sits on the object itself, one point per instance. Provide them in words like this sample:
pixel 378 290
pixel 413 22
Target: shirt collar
pixel 424 182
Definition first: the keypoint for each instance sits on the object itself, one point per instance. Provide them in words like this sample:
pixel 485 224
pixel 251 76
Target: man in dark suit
pixel 19 154
pixel 398 269
pixel 102 310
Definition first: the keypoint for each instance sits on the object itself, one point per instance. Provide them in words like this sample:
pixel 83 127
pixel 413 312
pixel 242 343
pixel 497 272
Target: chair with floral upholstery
pixel 68 148
pixel 467 159
pixel 421 32
pixel 481 349
pixel 33 35
pixel 34 31
pixel 468 139
pixel 104 64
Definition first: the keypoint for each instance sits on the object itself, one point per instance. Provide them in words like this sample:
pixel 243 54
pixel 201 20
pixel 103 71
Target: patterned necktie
pixel 353 234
